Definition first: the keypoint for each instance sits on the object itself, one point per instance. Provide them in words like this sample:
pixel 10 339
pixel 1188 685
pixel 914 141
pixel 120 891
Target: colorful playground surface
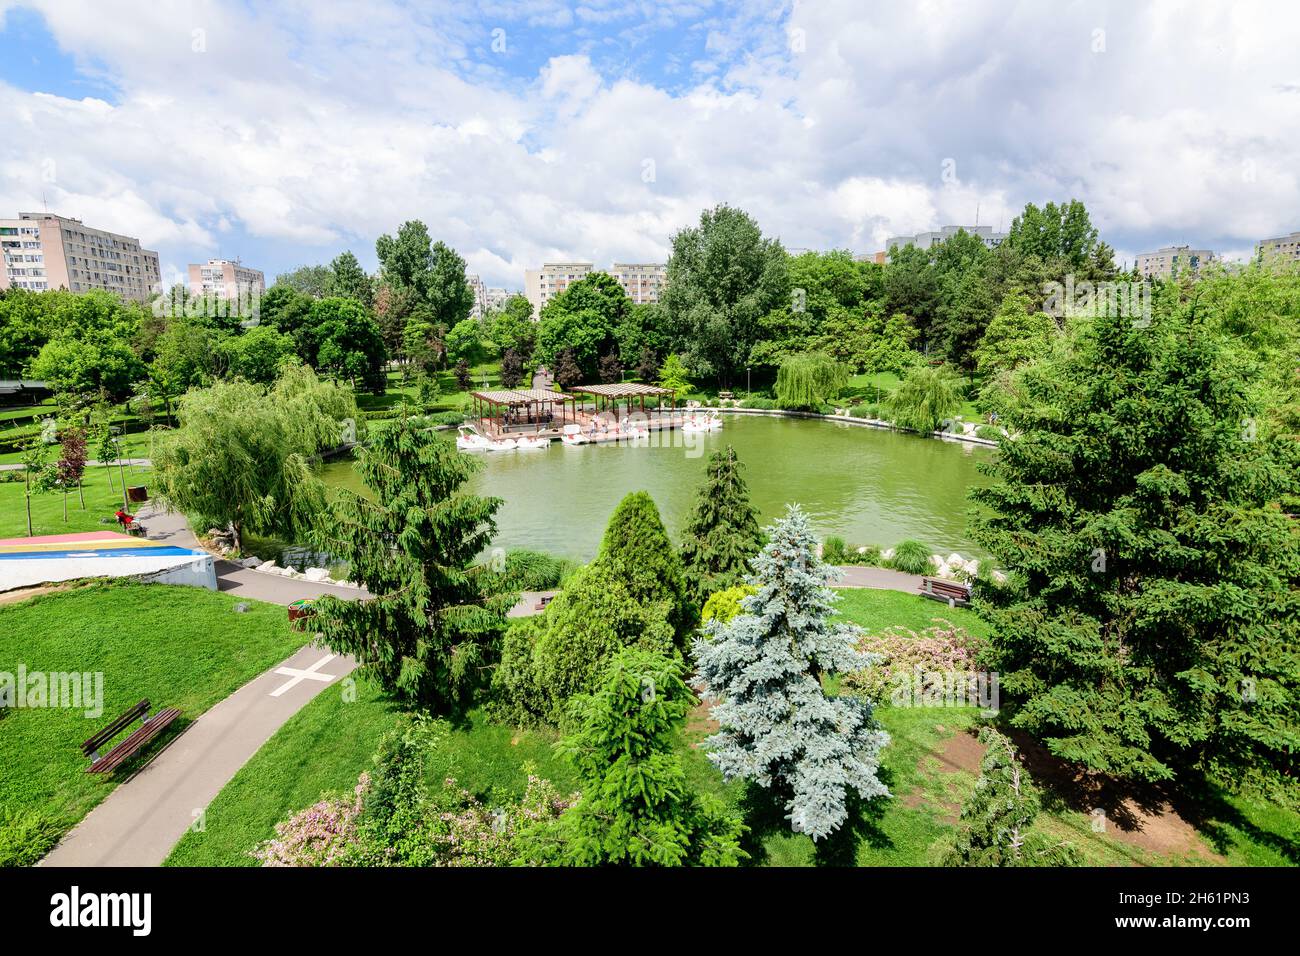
pixel 25 562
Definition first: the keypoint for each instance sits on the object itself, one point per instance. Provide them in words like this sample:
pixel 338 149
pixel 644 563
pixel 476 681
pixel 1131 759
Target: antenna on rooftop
pixel 977 214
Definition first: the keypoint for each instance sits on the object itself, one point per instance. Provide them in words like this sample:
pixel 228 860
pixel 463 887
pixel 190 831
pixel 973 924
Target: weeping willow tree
pixel 810 379
pixel 243 455
pixel 925 398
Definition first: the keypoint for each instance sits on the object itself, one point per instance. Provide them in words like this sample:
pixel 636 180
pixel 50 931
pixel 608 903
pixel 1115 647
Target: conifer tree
pixel 722 534
pixel 997 817
pixel 1151 620
pixel 636 548
pixel 412 542
pixel 637 806
pixel 764 666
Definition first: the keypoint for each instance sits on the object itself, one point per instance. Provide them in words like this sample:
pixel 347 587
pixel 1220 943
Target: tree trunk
pixel 81 494
pixel 121 473
pixel 65 504
pixel 28 498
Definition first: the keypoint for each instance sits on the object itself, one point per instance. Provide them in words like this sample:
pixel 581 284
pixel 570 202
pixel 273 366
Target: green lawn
pixel 47 509
pixel 178 646
pixel 327 744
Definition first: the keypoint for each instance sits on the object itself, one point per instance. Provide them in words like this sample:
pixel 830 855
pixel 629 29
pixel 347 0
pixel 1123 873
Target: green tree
pixel 722 534
pixel 637 807
pixel 764 667
pixel 242 456
pixel 637 549
pixel 465 341
pixel 1063 233
pixel 1015 336
pixel 672 374
pixel 345 341
pixel 513 328
pixel 311 281
pixel 258 354
pixel 447 290
pixel 349 280
pixel 723 278
pixel 926 396
pixel 584 320
pixel 809 379
pixel 997 817
pixel 1149 624
pixel 427 632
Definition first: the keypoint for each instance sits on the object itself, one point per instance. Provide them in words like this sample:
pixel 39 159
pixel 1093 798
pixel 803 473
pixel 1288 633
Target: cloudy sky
pixel 524 131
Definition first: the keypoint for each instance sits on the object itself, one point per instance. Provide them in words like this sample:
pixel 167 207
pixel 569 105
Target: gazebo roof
pixel 519 396
pixel 622 390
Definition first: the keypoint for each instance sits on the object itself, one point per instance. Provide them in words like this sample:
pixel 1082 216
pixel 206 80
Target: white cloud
pixel 311 127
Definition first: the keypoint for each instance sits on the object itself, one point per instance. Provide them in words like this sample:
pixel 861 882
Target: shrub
pixel 911 557
pixel 723 605
pixel 937 650
pixel 989 432
pixel 870 410
pixel 868 555
pixel 763 404
pixel 560 653
pixel 807 381
pixel 834 550
pixel 25 836
pixel 324 834
pixel 532 570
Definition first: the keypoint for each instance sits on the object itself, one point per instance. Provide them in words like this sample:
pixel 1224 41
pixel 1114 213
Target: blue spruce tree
pixel 765 669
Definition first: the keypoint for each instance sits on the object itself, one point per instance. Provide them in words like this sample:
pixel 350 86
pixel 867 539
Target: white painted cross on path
pixel 298 676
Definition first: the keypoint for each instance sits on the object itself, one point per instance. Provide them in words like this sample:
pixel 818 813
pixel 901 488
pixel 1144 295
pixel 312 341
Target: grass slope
pixel 178 646
pixel 47 509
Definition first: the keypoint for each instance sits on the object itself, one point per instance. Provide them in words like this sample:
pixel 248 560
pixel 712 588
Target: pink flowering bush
pixel 906 656
pixel 322 835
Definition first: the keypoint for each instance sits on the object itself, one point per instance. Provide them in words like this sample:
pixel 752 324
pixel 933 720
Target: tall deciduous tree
pixel 242 456
pixel 1150 624
pixel 765 666
pixel 926 396
pixel 722 534
pixel 426 632
pixel 349 280
pixel 723 278
pixel 637 807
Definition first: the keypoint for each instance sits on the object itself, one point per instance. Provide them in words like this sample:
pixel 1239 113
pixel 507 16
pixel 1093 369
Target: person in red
pixel 124 519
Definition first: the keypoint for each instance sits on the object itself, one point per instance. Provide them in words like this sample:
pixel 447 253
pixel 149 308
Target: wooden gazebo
pixel 515 411
pixel 610 395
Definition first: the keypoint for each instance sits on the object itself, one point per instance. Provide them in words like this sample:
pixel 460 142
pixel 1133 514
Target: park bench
pixel 953 592
pixel 543 601
pixel 150 727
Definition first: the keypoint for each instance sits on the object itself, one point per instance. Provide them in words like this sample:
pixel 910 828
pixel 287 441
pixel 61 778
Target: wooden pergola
pixel 627 391
pixel 514 410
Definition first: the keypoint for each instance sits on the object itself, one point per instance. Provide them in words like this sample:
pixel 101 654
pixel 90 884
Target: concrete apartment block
pixel 225 279
pixel 45 251
pixel 1168 261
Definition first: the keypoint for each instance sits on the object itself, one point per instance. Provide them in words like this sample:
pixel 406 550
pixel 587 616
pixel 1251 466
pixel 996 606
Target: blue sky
pixel 532 130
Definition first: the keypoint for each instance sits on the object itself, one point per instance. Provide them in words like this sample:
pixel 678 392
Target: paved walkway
pixel 860 576
pixel 90 463
pixel 141 820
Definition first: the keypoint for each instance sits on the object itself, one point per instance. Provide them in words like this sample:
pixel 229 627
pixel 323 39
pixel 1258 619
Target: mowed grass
pixel 47 508
pixel 330 742
pixel 177 646
pixel 325 747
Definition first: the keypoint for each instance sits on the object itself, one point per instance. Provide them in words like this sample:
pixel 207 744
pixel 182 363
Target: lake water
pixel 867 485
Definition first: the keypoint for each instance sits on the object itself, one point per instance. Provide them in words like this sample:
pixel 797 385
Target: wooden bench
pixel 543 601
pixel 954 593
pixel 150 727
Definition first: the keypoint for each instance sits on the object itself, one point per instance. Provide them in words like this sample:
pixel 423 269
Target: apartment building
pixel 544 284
pixel 45 251
pixel 486 299
pixel 1169 261
pixel 924 240
pixel 642 281
pixel 1286 248
pixel 225 279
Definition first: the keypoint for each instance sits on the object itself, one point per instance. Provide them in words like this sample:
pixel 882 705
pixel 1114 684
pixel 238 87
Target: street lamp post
pixel 748 391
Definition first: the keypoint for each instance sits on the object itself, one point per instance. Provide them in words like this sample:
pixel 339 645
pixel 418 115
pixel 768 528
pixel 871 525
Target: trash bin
pixel 300 609
pixel 138 493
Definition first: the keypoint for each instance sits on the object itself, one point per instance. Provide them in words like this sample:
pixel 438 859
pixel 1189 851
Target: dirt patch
pixel 22 594
pixel 699 724
pixel 961 752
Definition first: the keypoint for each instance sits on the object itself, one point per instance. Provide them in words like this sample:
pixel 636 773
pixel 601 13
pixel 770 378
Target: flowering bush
pixel 322 835
pixel 904 655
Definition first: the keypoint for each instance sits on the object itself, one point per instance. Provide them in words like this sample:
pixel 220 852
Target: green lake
pixel 867 485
